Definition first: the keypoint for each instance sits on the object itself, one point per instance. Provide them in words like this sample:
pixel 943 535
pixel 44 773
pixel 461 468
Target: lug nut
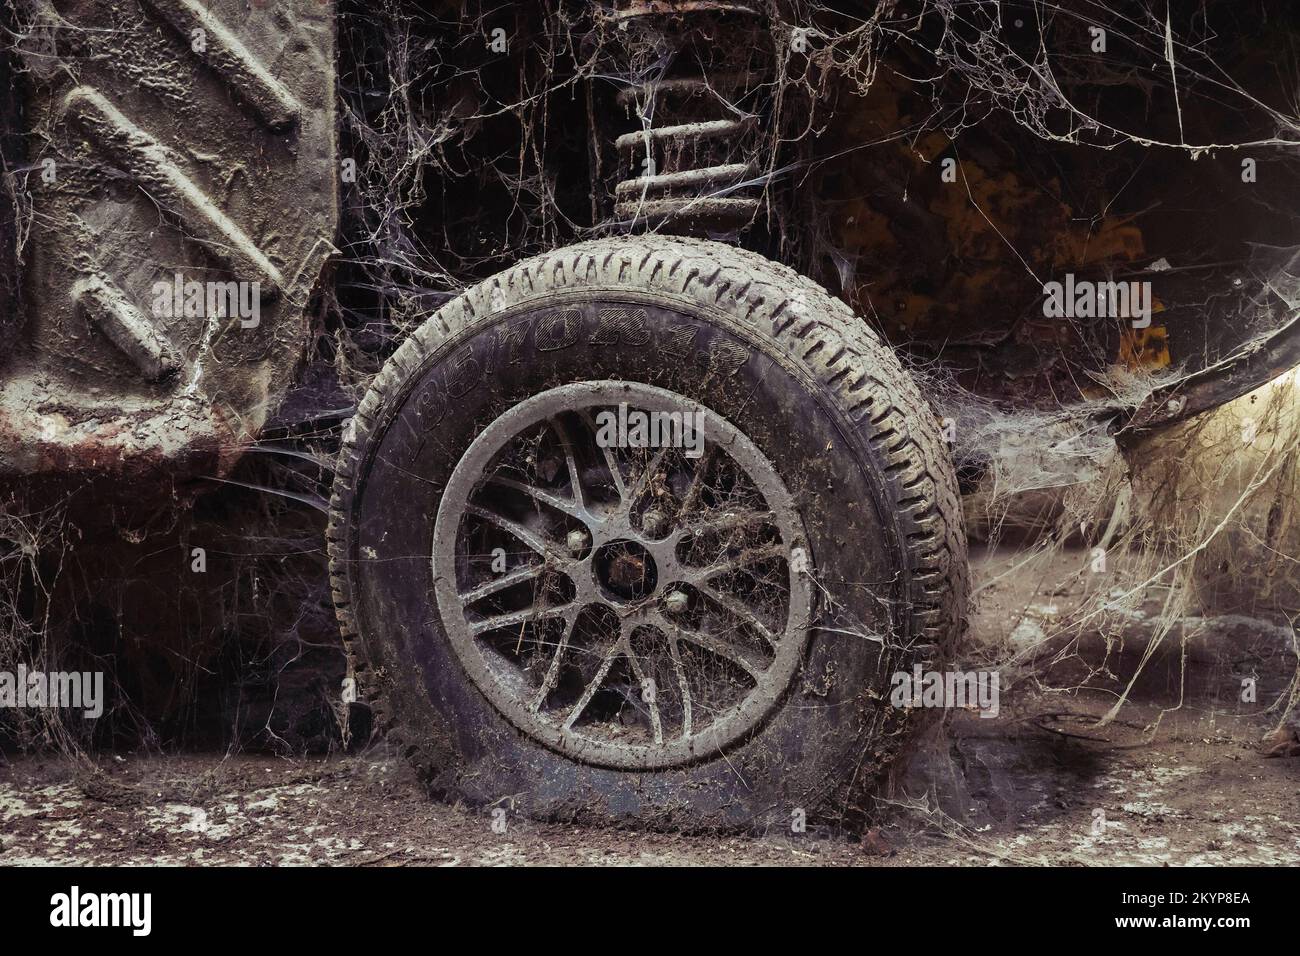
pixel 654 523
pixel 675 602
pixel 576 541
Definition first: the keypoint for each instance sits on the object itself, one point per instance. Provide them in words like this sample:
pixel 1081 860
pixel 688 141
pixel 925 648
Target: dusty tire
pixel 793 386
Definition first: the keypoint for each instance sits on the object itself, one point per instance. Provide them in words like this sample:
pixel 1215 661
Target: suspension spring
pixel 693 165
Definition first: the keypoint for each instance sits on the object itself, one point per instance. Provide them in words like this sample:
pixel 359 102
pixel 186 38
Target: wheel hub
pixel 625 570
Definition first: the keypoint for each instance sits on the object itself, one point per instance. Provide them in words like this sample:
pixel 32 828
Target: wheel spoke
pixel 501 583
pixel 695 489
pixel 570 461
pixel 656 722
pixel 528 537
pixel 539 494
pixel 725 521
pixel 746 557
pixel 611 460
pixel 716 646
pixel 552 676
pixel 590 690
pixel 737 609
pixel 526 616
pixel 683 685
pixel 643 479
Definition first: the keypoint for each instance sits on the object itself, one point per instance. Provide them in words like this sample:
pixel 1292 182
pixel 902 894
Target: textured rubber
pixel 183 145
pixel 890 420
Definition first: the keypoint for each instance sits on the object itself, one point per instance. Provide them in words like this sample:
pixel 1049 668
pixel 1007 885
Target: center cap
pixel 625 570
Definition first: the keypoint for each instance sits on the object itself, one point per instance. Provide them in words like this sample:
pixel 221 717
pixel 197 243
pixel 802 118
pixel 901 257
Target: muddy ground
pixel 1178 779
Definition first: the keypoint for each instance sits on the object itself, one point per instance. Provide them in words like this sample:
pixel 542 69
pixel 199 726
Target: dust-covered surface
pixel 941 209
pixel 1029 787
pixel 162 161
pixel 1177 803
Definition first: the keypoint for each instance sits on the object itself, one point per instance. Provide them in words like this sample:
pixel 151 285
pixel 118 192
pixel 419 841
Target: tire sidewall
pixel 835 712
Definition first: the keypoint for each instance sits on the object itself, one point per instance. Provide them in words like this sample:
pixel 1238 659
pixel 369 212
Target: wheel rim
pixel 631 607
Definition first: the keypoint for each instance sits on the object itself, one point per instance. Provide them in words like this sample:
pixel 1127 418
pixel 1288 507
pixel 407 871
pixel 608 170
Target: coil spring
pixel 691 167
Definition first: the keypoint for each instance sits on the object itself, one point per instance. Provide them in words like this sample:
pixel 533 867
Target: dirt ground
pixel 1178 779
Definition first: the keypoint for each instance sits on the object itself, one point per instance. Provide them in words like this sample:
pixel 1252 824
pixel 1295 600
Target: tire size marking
pixel 621 325
pixel 558 330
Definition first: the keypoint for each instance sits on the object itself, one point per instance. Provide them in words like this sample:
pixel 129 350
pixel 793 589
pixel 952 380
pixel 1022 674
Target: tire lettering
pixel 726 358
pixel 430 406
pixel 464 373
pixel 509 339
pixel 681 340
pixel 621 325
pixel 558 330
